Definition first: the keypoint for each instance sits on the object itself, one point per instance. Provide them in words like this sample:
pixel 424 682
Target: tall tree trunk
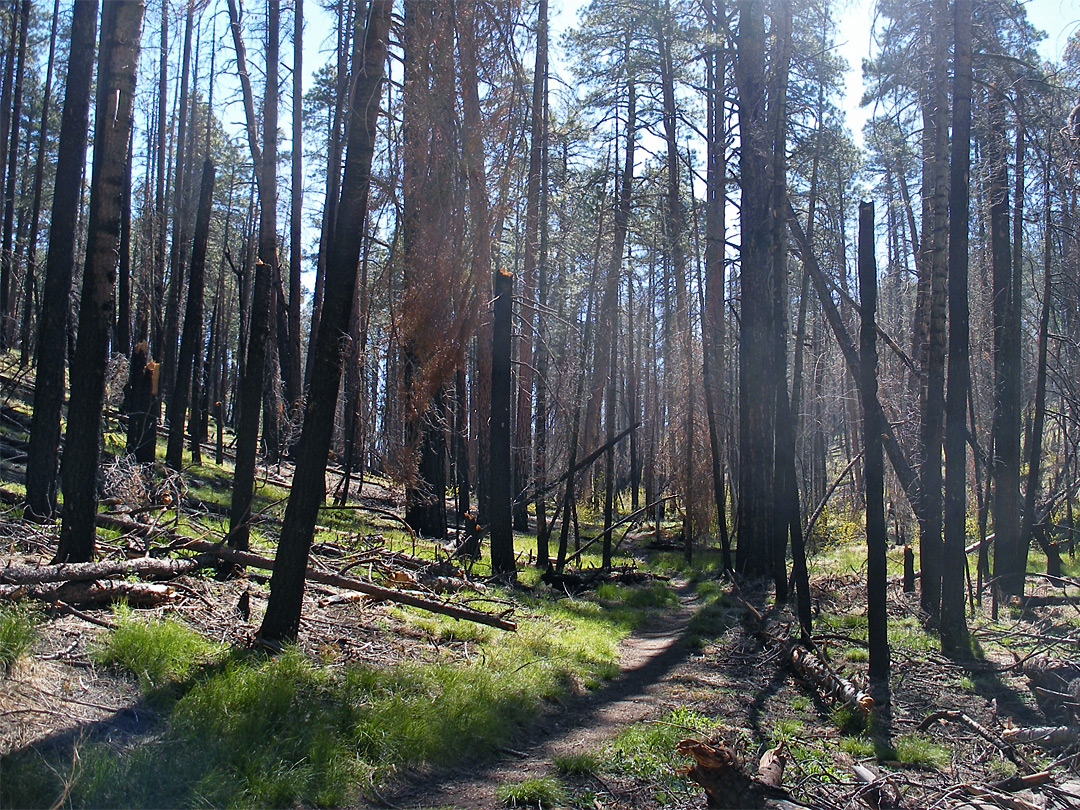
pixel 7 259
pixel 121 28
pixel 178 249
pixel 676 227
pixel 499 506
pixel 877 586
pixel 282 619
pixel 160 202
pixel 1005 469
pixel 193 323
pixel 933 399
pixel 954 633
pixel 53 324
pixel 39 185
pixel 291 372
pixel 533 190
pixel 713 328
pixel 758 526
pixel 122 326
pixel 333 175
pixel 1038 422
pixel 251 386
pixel 541 354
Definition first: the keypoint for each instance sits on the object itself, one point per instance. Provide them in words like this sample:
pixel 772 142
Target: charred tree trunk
pixel 933 396
pixel 178 249
pixel 7 260
pixel 193 324
pixel 499 505
pixel 53 323
pixel 282 619
pixel 251 386
pixel 954 633
pixel 121 27
pixel 35 205
pixel 877 586
pixel 1005 468
pixel 533 190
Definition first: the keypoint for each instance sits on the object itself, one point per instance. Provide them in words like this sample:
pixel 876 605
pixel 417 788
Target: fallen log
pixel 246 558
pixel 145 567
pixel 812 668
pixel 99 592
pixel 808 664
pixel 721 772
pixel 1043 736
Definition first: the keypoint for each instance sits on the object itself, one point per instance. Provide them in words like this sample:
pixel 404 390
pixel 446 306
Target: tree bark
pixel 933 395
pixel 499 505
pixel 178 249
pixel 251 386
pixel 282 619
pixel 193 323
pixel 52 325
pixel 954 632
pixel 877 586
pixel 121 27
pixel 7 259
pixel 1005 469
pixel 35 205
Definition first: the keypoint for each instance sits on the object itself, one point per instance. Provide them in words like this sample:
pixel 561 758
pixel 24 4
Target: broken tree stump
pixel 722 773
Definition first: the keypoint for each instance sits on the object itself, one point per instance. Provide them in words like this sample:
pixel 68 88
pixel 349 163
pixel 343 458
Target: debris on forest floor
pixel 588 579
pixel 408 580
pixel 722 773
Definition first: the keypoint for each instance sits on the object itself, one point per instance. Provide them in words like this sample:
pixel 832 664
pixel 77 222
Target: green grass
pixel 239 729
pixel 859 747
pixel 576 763
pixel 653 595
pixel 543 791
pixel 18 632
pixel 921 750
pixel 647 750
pixel 787 730
pixel 157 651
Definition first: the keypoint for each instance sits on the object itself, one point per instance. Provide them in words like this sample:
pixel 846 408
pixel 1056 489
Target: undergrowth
pixel 18 632
pixel 240 729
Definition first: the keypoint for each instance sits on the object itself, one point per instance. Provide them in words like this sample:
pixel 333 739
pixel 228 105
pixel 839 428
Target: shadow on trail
pixel 649 654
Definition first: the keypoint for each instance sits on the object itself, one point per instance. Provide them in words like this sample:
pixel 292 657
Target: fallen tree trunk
pixel 1043 736
pixel 145 567
pixel 100 592
pixel 813 669
pixel 246 558
pixel 807 663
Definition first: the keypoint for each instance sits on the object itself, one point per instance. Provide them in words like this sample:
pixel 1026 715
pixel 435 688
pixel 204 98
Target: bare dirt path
pixel 649 660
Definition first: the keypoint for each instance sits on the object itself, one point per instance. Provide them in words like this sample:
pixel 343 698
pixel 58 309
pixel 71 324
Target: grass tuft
pixel 157 651
pixel 577 763
pixel 543 791
pixel 922 751
pixel 18 632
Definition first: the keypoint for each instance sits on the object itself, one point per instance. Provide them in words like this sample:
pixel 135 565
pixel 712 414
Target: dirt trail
pixel 649 658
